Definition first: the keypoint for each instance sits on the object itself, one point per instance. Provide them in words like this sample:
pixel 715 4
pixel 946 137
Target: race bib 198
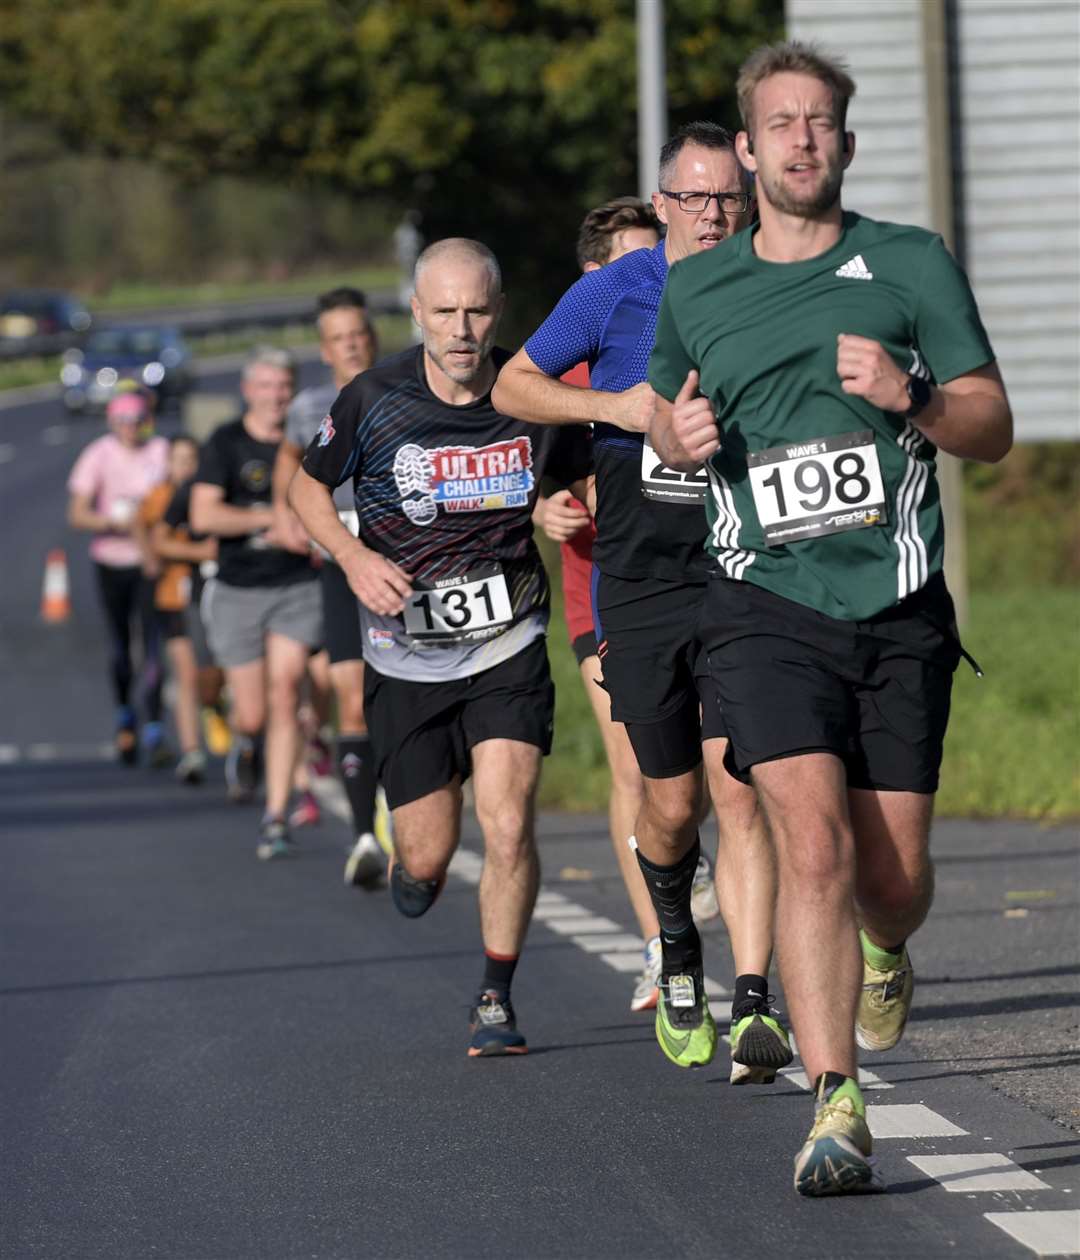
pixel 824 486
pixel 461 609
pixel 658 481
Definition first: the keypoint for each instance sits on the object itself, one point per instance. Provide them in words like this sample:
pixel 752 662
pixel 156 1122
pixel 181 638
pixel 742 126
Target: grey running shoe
pixel 366 863
pixel 274 840
pixel 241 770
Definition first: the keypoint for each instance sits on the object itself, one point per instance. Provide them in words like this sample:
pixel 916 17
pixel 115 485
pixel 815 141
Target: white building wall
pixel 1017 99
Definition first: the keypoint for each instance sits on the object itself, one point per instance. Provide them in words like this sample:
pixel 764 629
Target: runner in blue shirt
pixel 649 576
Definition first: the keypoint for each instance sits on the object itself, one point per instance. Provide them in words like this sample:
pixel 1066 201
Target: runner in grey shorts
pixel 264 613
pixel 239 618
pixel 348 346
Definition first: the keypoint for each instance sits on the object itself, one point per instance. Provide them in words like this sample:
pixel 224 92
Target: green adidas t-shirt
pixel 817 495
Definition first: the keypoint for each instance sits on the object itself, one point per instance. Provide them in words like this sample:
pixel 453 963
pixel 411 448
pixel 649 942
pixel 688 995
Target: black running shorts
pixel 583 647
pixel 172 623
pixel 655 671
pixel 422 733
pixel 792 680
pixel 341 616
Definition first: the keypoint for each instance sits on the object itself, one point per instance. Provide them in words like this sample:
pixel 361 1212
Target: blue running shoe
pixel 494 1028
pixel 413 897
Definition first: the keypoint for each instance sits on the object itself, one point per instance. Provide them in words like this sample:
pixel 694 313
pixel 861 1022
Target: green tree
pixel 501 119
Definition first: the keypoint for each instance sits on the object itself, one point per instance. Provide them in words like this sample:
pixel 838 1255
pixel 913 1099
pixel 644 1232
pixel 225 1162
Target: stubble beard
pixel 811 204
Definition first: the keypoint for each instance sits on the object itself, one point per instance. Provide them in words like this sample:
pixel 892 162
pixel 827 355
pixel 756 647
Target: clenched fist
pixel 867 370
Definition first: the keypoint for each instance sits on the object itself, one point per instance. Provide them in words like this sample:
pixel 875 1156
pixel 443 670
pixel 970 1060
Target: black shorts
pixel 422 734
pixel 172 623
pixel 583 647
pixel 876 693
pixel 342 636
pixel 655 671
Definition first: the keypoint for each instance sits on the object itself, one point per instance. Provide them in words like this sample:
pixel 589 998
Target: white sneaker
pixel 647 989
pixel 191 768
pixel 703 903
pixel 366 864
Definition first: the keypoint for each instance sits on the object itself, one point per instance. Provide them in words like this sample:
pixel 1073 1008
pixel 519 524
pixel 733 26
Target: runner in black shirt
pixel 263 607
pixel 454 600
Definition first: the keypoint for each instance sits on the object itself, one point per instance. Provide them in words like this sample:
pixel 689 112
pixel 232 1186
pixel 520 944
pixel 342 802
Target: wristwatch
pixel 919 392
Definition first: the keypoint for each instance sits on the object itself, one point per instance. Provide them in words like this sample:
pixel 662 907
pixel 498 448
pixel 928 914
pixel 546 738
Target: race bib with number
pixel 658 481
pixel 462 609
pixel 825 486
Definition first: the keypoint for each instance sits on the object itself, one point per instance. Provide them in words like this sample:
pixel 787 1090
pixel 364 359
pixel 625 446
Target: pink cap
pixel 127 407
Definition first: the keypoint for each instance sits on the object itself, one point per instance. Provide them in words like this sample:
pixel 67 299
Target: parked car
pixel 156 357
pixel 40 313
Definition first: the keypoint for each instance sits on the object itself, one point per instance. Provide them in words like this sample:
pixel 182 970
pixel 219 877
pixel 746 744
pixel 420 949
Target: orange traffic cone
pixel 55 596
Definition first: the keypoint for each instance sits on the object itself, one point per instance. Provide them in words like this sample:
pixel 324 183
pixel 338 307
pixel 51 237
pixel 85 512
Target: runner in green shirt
pixel 835 356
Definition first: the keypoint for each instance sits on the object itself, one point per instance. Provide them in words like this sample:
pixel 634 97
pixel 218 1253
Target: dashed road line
pixel 964 1174
pixel 1046 1233
pixel 909 1120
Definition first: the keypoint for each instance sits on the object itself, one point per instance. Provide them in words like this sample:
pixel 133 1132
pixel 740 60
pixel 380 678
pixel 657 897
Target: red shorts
pixel 577 581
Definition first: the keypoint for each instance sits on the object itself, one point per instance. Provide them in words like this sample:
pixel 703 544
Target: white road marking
pixel 65 752
pixel 867 1080
pixel 624 960
pixel 551 899
pixel 9 753
pixel 582 925
pixel 548 910
pixel 714 989
pixel 606 942
pixel 1046 1233
pixel 7 452
pixel 55 434
pixel 963 1174
pixel 909 1120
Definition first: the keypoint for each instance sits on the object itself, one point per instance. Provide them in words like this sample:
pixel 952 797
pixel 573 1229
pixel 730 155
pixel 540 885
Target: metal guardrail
pixel 195 321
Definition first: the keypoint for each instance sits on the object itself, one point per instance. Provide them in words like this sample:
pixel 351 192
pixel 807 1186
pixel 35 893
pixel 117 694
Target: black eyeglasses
pixel 695 202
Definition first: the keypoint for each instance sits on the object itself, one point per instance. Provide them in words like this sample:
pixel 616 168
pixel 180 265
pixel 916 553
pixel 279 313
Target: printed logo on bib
pixel 824 486
pixel 474 607
pixel 658 481
pixel 463 478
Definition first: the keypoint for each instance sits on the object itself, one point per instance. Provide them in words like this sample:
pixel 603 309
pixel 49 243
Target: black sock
pixel 749 992
pixel 356 766
pixel 826 1083
pixel 669 887
pixel 498 973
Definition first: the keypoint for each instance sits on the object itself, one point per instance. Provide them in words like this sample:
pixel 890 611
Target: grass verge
pixel 148 296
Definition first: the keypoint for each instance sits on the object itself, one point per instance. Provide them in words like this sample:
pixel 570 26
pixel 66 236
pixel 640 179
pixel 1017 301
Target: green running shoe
pixel 759 1045
pixel 684 1024
pixel 885 998
pixel 836 1157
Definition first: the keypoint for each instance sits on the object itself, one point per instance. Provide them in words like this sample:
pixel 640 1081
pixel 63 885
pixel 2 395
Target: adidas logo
pixel 855 269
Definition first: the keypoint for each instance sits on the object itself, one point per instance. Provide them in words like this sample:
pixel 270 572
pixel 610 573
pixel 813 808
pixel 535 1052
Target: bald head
pixel 459 251
pixel 457 303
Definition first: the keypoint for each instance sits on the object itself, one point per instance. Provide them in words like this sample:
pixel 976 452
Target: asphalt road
pixel 205 1056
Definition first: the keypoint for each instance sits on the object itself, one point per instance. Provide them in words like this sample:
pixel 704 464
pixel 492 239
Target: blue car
pixel 156 357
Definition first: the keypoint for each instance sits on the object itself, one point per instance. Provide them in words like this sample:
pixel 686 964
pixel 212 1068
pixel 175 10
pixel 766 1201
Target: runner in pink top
pixel 109 480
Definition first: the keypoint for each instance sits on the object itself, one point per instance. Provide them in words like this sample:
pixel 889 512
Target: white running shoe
pixel 384 823
pixel 647 989
pixel 703 902
pixel 365 865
